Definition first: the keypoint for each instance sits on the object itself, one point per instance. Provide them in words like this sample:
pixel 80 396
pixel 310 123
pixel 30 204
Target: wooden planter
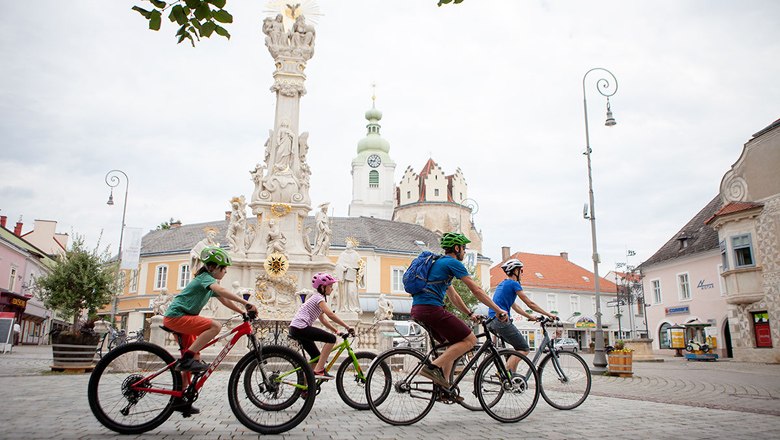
pixel 73 352
pixel 621 364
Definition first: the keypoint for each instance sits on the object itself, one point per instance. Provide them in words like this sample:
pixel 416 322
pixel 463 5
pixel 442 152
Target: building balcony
pixel 743 285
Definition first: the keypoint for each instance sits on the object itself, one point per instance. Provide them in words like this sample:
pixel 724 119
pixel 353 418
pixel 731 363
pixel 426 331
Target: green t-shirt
pixel 193 298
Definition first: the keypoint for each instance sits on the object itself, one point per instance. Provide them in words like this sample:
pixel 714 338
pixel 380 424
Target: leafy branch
pixel 196 18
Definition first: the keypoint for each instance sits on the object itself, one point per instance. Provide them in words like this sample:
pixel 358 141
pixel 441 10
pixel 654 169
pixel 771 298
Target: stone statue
pixel 285 147
pixel 420 219
pixel 307 239
pixel 347 268
pixel 322 222
pixel 305 171
pixel 249 236
pixel 237 225
pixel 276 239
pixel 160 303
pixel 210 240
pixel 276 39
pixel 302 38
pixel 384 309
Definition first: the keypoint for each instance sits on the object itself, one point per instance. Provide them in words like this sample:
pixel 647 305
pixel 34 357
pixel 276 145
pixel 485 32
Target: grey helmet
pixel 510 265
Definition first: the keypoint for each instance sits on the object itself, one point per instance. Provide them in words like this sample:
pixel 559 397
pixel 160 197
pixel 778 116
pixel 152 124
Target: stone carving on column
pixel 347 268
pixel 237 225
pixel 304 177
pixel 276 239
pixel 277 296
pixel 277 40
pixel 285 147
pixel 302 38
pixel 384 309
pixel 210 240
pixel 161 302
pixel 322 222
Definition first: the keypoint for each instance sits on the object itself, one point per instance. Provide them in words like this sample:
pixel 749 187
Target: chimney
pixel 504 253
pixel 18 228
pixel 565 256
pixel 227 215
pixel 175 224
pixel 3 220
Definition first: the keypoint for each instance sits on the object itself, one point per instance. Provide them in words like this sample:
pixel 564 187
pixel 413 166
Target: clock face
pixel 374 160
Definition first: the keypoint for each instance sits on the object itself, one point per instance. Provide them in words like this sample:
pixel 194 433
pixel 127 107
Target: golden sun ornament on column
pixel 291 10
pixel 276 264
pixel 280 209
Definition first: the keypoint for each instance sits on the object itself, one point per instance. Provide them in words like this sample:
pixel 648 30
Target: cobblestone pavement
pixel 672 399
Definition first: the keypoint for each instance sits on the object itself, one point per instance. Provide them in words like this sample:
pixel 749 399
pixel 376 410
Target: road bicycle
pixel 118 338
pixel 135 387
pixel 351 375
pixel 402 396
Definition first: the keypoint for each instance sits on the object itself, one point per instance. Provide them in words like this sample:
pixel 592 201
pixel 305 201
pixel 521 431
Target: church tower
pixel 373 186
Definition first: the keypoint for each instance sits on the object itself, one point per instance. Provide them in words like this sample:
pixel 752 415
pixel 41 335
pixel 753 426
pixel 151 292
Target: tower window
pixel 436 192
pixel 373 179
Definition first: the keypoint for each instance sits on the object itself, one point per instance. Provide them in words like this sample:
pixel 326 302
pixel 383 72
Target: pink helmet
pixel 322 279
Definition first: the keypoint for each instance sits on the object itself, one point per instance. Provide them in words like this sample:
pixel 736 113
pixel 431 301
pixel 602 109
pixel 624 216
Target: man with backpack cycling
pixel 428 307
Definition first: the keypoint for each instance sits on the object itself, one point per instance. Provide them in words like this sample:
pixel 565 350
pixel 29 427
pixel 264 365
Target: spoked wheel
pixel 507 399
pixel 466 384
pixel 395 390
pixel 125 394
pixel 269 396
pixel 565 384
pixel 351 380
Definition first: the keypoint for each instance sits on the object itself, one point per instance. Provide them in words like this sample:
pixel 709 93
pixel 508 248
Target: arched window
pixel 373 179
pixel 663 336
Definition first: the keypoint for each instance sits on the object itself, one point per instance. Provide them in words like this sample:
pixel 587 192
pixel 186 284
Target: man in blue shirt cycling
pixel 428 307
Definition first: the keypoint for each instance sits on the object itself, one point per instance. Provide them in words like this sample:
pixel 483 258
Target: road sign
pixel 617 302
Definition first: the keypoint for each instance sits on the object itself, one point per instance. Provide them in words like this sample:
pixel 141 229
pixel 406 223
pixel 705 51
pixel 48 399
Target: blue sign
pixel 679 310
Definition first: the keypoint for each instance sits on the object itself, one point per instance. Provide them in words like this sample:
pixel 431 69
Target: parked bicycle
pixel 399 395
pixel 115 338
pixel 133 388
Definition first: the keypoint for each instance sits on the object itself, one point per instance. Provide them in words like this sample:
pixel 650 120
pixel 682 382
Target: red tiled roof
pixel 733 207
pixel 557 273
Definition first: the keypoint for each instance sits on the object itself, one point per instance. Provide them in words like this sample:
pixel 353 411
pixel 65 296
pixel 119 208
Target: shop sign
pixel 18 302
pixel 712 336
pixel 677 336
pixel 704 286
pixel 584 322
pixel 679 310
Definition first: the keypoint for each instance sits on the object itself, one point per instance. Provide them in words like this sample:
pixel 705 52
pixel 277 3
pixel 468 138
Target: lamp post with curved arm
pixel 113 180
pixel 605 88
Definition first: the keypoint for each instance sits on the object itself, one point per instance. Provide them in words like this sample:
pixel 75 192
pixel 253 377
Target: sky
pixel 492 87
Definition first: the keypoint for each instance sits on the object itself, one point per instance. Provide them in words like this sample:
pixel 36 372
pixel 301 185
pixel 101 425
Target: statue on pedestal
pixel 160 303
pixel 347 268
pixel 322 223
pixel 237 225
pixel 384 309
pixel 276 239
pixel 209 241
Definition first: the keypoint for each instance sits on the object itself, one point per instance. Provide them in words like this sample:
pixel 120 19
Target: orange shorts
pixel 190 327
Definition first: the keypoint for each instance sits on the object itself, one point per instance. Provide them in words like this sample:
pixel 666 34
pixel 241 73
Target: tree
pixel 468 297
pixel 80 280
pixel 167 225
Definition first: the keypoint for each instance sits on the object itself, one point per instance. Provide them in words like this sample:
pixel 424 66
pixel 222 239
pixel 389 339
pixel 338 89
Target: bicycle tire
pixel 507 400
pixel 467 385
pixel 271 406
pixel 568 393
pixel 351 382
pixel 109 394
pixel 402 390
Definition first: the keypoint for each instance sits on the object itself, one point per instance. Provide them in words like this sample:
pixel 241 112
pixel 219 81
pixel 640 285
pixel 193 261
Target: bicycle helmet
pixel 451 239
pixel 510 265
pixel 322 279
pixel 215 255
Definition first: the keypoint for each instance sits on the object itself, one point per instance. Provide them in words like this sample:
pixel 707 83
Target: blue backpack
pixel 416 276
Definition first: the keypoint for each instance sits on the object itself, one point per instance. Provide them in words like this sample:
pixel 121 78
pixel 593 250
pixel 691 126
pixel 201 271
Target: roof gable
pixel 557 273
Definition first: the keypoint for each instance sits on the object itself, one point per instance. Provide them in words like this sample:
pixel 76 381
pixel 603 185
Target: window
pixel 12 279
pixel 408 194
pixel 161 278
pixel 574 302
pixel 133 280
pixel 373 179
pixel 683 286
pixel 640 306
pixel 720 280
pixel 663 336
pixel 397 279
pixel 552 302
pixel 436 192
pixel 184 275
pixel 121 281
pixel 656 291
pixel 743 251
pixel 724 258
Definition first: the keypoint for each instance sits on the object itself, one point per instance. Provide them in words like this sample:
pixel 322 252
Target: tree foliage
pixel 167 225
pixel 81 280
pixel 446 2
pixel 196 18
pixel 468 297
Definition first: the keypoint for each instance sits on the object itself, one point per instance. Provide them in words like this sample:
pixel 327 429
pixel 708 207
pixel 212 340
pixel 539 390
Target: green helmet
pixel 215 255
pixel 450 239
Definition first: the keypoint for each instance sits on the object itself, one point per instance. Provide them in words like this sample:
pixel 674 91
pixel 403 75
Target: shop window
pixel 161 278
pixel 683 286
pixel 656 291
pixel 743 251
pixel 663 336
pixel 763 332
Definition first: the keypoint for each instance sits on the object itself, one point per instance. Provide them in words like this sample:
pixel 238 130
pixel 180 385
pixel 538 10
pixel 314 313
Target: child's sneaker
pixel 322 375
pixel 190 364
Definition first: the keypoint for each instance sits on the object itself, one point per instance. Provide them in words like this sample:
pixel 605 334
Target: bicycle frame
pixel 344 345
pixel 547 342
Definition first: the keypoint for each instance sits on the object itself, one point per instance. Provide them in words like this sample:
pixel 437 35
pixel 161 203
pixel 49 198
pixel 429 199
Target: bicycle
pixel 403 397
pixel 115 338
pixel 350 376
pixel 134 387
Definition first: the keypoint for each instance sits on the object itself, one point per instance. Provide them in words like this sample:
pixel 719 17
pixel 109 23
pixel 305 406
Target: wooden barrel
pixel 621 363
pixel 73 356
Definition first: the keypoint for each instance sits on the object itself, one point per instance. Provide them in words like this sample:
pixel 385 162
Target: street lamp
pixel 113 180
pixel 603 86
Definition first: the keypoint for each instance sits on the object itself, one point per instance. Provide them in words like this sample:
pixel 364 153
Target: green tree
pixel 167 225
pixel 468 297
pixel 81 280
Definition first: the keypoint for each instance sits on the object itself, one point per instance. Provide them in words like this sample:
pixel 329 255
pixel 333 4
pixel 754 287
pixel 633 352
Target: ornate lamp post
pixel 603 86
pixel 113 180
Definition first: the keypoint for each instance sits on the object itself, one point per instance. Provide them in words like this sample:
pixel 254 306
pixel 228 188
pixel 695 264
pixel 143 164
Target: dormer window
pixel 586 279
pixel 539 275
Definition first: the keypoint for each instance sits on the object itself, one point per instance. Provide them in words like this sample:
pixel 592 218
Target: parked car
pixel 410 334
pixel 566 344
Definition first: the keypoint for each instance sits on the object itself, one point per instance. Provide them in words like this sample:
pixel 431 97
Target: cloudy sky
pixel 492 87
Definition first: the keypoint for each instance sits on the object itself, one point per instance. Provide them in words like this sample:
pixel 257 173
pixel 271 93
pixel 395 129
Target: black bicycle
pixel 401 396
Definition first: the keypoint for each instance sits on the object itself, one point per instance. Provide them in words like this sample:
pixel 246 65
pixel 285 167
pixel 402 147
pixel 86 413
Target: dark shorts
pixel 307 336
pixel 510 334
pixel 444 326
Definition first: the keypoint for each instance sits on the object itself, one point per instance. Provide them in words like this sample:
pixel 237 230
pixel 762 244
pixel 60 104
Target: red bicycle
pixel 134 387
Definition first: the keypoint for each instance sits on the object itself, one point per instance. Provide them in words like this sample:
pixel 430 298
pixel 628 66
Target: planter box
pixel 73 352
pixel 621 364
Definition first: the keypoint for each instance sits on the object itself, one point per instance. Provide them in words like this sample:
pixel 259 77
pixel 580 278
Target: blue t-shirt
pixel 444 269
pixel 505 295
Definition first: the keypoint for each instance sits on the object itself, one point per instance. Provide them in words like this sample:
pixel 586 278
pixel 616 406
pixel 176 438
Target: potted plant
pixel 620 359
pixel 79 283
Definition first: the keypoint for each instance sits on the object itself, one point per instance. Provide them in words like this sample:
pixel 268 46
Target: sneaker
pixel 322 375
pixel 190 364
pixel 184 407
pixel 435 374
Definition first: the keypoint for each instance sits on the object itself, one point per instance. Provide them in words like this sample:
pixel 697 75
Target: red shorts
pixel 444 325
pixel 190 327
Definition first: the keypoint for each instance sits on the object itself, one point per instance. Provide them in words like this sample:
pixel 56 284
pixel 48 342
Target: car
pixel 409 334
pixel 566 344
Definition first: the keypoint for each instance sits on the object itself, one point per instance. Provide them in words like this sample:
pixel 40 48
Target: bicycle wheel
pixel 396 393
pixel 270 396
pixel 351 380
pixel 565 382
pixel 123 409
pixel 507 399
pixel 466 386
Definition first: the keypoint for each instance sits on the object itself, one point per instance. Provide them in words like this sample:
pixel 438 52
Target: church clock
pixel 374 160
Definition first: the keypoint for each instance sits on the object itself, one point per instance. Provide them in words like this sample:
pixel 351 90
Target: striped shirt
pixel 309 312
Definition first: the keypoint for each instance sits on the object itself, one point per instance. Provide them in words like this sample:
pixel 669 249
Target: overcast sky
pixel 492 87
